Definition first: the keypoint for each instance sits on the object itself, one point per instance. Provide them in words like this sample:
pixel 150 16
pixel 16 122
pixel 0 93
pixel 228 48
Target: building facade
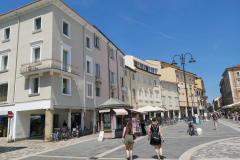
pixel 230 85
pixel 201 95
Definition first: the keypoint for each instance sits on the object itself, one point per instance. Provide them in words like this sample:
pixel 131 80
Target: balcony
pixel 49 65
pixel 113 86
pixel 98 81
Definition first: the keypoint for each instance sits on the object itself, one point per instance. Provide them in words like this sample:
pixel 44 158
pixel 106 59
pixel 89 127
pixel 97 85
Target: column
pixel 101 122
pixel 192 112
pixel 179 113
pixel 186 112
pixel 94 121
pixel 111 114
pixel 48 125
pixel 168 114
pixel 150 115
pixel 69 118
pixel 154 114
pixel 198 111
pixel 173 112
pixel 144 116
pixel 82 120
pixel 162 114
pixel 122 123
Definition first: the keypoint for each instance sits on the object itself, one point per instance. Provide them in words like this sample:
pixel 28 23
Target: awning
pixel 104 111
pixel 137 111
pixel 150 109
pixel 120 111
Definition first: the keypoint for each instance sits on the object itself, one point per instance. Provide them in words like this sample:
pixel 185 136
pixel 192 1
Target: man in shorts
pixel 215 119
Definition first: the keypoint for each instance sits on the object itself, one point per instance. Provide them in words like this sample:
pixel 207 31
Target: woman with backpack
pixel 127 139
pixel 156 137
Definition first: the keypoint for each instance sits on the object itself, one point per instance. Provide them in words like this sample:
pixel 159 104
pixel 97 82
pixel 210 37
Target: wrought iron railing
pixel 3 99
pixel 48 64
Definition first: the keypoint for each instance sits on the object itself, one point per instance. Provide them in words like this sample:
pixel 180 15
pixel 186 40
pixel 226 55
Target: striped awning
pixel 120 111
pixel 104 111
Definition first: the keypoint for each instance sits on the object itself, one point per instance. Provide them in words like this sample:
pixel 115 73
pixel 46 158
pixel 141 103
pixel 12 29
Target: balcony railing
pixel 3 99
pixel 48 64
pixel 113 86
pixel 98 80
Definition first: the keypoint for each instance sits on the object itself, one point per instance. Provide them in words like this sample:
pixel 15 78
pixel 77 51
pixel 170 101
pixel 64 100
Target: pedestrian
pixel 236 116
pixel 127 139
pixel 156 137
pixel 143 126
pixel 215 119
pixel 64 124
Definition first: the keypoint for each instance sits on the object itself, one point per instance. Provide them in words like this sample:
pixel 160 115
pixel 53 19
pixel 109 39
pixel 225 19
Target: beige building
pixel 201 95
pixel 148 92
pixel 230 85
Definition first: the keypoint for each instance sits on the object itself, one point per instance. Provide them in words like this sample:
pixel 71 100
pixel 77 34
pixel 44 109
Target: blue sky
pixel 160 29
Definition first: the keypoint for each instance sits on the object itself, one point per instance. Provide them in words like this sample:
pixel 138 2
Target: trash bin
pixel 199 131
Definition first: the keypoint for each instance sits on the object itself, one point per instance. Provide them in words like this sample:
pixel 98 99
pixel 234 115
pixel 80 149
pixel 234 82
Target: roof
pixel 235 66
pixel 130 68
pixel 114 103
pixel 187 72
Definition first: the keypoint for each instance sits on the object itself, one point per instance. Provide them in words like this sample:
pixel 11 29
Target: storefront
pixel 3 125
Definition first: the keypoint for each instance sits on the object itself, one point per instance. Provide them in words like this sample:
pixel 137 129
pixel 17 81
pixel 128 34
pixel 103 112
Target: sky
pixel 160 29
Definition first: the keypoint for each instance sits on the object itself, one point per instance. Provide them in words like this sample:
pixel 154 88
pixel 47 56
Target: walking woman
pixel 156 137
pixel 143 126
pixel 128 140
pixel 236 116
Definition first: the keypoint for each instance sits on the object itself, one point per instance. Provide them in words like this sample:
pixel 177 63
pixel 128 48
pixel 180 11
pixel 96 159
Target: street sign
pixel 10 114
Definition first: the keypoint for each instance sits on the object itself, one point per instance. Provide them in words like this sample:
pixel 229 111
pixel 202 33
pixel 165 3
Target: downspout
pixel 14 92
pixel 84 77
pixel 108 71
pixel 117 72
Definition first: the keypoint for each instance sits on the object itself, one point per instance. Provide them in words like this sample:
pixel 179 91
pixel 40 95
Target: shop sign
pixel 1 120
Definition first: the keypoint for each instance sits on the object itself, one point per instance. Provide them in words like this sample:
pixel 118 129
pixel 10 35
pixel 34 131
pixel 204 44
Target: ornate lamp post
pixel 182 59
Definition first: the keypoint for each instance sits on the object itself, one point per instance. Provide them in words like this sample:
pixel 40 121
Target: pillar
pixel 150 115
pixel 122 123
pixel 111 114
pixel 154 114
pixel 168 114
pixel 101 122
pixel 82 120
pixel 144 116
pixel 94 121
pixel 48 125
pixel 198 110
pixel 69 119
pixel 186 112
pixel 173 112
pixel 192 111
pixel 162 114
pixel 179 113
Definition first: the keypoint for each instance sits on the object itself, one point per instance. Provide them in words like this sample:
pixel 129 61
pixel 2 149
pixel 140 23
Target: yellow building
pixel 201 95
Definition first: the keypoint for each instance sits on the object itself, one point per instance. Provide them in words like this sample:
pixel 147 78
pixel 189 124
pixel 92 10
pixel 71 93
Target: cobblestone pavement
pixel 28 147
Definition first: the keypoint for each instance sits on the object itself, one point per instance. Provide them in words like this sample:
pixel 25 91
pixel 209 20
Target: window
pixel 180 97
pixel 139 78
pixel 237 73
pixel 144 79
pixel 183 97
pixel 239 92
pixel 149 81
pixel 4 62
pixel 123 98
pixel 6 33
pixel 151 96
pixel 157 96
pixel 122 81
pixel 155 82
pixel 3 92
pixel 190 86
pixel 89 65
pixel 152 70
pixel 133 92
pixel 111 54
pixel 122 61
pixel 98 92
pixel 89 90
pixel 192 78
pixel 175 88
pixel 139 94
pixel 97 71
pixel 189 78
pixel 162 86
pixel 36 51
pixel 146 95
pixel 112 77
pixel 176 101
pixel 66 85
pixel 112 94
pixel 125 73
pixel 163 100
pixel 88 42
pixel 66 57
pixel 66 28
pixel 169 87
pixel 238 81
pixel 182 85
pixel 181 76
pixel 126 91
pixel 97 42
pixel 133 77
pixel 34 84
pixel 37 23
pixel 170 101
pixel 177 75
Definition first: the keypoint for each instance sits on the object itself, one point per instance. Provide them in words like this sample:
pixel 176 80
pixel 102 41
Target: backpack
pixel 155 137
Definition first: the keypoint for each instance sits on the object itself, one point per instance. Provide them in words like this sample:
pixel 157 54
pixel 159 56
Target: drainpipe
pixel 117 72
pixel 84 77
pixel 108 71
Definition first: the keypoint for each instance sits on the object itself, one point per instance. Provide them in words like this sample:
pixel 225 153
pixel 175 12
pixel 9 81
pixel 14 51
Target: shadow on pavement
pixel 9 149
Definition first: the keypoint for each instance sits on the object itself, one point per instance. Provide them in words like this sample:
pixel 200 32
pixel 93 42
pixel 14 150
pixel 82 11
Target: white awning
pixel 135 110
pixel 104 111
pixel 120 111
pixel 150 109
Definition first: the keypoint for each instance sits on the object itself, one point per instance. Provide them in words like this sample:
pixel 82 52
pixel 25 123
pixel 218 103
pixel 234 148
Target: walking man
pixel 215 119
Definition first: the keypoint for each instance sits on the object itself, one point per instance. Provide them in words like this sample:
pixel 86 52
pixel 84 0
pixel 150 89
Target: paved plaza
pixel 222 144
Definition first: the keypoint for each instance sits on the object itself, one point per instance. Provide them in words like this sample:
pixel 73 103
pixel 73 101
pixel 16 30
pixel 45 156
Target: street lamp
pixel 182 59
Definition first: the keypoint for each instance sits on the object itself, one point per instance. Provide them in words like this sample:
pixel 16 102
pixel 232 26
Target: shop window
pixel 3 125
pixel 107 122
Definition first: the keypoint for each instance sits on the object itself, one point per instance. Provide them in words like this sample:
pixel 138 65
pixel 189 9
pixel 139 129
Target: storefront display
pixel 3 125
pixel 107 122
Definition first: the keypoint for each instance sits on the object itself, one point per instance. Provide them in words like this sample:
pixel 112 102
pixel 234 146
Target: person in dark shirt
pixel 64 124
pixel 215 119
